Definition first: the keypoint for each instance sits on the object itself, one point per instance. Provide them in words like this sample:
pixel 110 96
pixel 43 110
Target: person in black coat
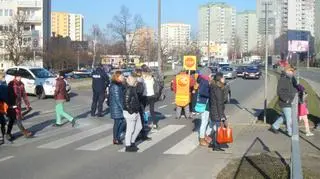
pixel 217 107
pixel 100 81
pixel 131 108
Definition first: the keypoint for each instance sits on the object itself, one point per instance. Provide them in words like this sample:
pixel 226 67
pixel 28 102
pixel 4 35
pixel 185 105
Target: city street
pixel 87 151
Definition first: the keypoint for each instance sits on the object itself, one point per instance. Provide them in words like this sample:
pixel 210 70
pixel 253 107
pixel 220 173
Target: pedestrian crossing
pixel 58 138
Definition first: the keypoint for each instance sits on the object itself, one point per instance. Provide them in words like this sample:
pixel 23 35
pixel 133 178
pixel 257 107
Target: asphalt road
pixel 311 74
pixel 86 152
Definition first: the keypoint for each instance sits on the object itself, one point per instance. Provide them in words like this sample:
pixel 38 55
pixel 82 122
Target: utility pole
pixel 266 4
pixel 209 13
pixel 159 37
pixel 308 58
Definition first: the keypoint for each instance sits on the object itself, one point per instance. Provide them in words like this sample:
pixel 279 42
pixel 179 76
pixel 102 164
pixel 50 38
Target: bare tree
pixel 15 45
pixel 123 26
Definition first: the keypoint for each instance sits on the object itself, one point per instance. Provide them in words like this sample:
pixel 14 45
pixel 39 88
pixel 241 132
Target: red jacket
pixel 17 93
pixel 60 92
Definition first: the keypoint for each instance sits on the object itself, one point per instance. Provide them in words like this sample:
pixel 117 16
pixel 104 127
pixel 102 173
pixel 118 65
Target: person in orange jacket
pixel 182 86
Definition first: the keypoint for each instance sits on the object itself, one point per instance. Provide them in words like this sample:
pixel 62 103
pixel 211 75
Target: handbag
pixel 3 107
pixel 224 135
pixel 200 107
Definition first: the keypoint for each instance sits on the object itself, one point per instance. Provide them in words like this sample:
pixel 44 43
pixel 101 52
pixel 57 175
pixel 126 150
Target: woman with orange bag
pixel 217 108
pixel 3 110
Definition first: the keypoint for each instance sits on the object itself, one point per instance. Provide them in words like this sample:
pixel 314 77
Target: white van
pixel 37 81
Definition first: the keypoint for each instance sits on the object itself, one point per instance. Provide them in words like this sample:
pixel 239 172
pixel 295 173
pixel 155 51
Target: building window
pixel 1 12
pixel 6 12
pixel 10 12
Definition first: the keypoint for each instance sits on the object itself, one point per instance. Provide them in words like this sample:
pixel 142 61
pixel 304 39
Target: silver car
pixel 228 72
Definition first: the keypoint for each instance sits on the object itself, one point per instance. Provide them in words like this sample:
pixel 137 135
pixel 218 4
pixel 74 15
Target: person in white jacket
pixel 149 96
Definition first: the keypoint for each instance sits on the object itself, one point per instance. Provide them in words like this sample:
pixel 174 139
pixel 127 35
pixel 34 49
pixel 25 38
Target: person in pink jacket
pixel 303 111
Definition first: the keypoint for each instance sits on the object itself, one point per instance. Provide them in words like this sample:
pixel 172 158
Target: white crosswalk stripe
pixel 157 137
pixel 76 137
pixel 55 138
pixel 47 132
pixel 98 144
pixel 6 158
pixel 186 146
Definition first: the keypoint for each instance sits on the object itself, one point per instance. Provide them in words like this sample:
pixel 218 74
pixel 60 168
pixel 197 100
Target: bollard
pixel 296 167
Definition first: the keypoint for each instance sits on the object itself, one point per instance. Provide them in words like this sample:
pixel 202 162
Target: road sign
pixel 190 62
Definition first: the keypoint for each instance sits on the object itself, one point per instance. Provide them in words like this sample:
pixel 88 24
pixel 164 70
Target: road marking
pixel 184 147
pixel 168 115
pixel 76 137
pixel 158 137
pixel 47 132
pixel 163 106
pixel 98 144
pixel 6 158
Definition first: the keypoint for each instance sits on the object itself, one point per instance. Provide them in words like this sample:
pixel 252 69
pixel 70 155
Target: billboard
pixel 298 46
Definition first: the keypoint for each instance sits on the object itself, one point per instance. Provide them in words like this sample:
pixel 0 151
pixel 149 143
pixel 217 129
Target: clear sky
pixel 101 11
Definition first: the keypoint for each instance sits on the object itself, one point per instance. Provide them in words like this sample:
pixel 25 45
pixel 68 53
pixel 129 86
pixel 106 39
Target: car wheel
pixel 40 92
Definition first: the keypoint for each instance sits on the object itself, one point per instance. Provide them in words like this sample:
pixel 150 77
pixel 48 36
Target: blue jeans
pixel 286 113
pixel 118 127
pixel 206 125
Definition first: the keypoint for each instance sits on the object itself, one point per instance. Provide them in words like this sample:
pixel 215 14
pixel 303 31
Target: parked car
pixel 240 71
pixel 37 81
pixel 228 72
pixel 252 72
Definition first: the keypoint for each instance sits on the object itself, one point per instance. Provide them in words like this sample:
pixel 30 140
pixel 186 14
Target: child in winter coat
pixel 303 109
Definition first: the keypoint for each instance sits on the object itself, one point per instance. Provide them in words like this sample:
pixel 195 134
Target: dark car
pixel 252 72
pixel 240 71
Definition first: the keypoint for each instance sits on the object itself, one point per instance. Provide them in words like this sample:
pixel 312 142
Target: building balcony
pixel 30 3
pixel 34 19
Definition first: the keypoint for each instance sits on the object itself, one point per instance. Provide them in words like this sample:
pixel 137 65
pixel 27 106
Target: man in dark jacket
pixel 100 81
pixel 286 91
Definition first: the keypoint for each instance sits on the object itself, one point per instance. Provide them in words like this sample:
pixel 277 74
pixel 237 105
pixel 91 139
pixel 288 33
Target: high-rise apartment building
pixel 284 15
pixel 217 22
pixel 37 24
pixel 66 24
pixel 175 35
pixel 247 30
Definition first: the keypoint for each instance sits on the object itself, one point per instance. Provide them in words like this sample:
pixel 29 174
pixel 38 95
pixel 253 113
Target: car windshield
pixel 41 73
pixel 226 69
pixel 252 68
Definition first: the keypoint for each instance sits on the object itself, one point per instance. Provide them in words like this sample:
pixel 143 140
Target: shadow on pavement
pixel 272 115
pixel 36 128
pixel 315 119
pixel 309 142
pixel 72 94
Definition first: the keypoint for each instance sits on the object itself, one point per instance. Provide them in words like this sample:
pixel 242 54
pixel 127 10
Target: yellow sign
pixel 190 62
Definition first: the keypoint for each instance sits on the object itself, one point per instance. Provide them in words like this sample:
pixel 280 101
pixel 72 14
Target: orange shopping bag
pixel 3 107
pixel 224 135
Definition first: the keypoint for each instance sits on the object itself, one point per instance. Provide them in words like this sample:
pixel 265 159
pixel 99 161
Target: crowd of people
pixel 198 93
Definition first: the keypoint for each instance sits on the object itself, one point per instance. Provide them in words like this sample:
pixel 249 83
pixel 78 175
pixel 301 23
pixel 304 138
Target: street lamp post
pixel 209 13
pixel 266 66
pixel 159 37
